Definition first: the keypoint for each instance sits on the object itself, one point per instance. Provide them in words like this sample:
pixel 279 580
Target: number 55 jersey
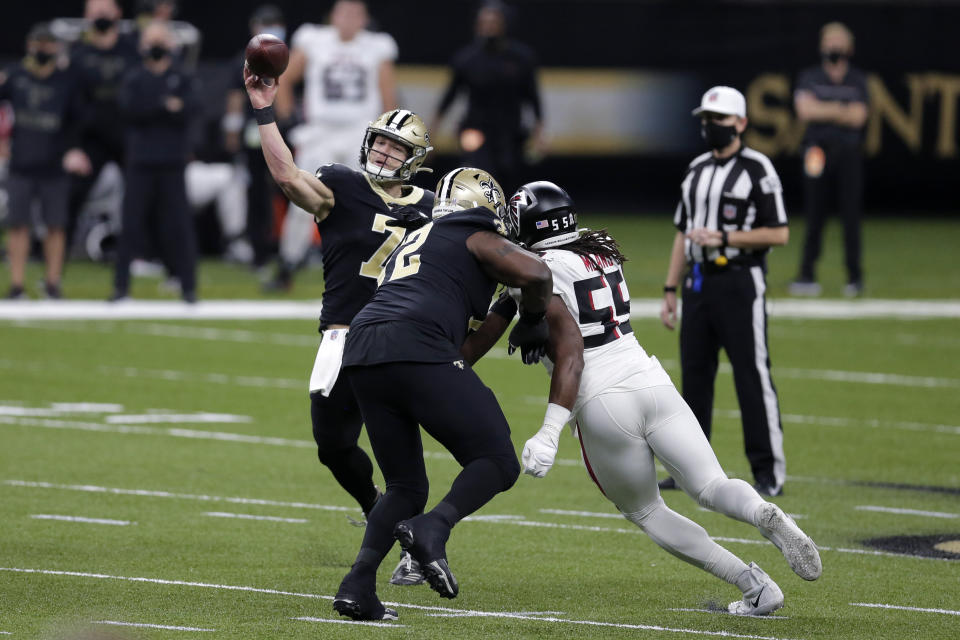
pixel 595 293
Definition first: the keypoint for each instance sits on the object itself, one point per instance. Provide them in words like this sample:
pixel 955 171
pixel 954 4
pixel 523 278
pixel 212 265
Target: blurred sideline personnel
pixel 730 213
pixel 102 56
pixel 348 79
pixel 353 210
pixel 832 99
pixel 47 109
pixel 625 407
pixel 499 76
pixel 241 136
pixel 403 361
pixel 157 101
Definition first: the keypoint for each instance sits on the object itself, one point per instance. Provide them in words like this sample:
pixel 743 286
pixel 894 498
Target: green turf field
pixel 85 432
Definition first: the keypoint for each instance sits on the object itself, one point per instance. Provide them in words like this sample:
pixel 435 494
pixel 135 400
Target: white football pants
pixel 315 146
pixel 621 432
pixel 224 183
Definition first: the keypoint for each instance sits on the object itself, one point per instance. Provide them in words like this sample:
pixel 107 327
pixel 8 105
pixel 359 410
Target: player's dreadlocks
pixel 596 243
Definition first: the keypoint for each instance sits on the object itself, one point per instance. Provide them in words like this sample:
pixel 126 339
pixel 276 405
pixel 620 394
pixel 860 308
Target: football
pixel 267 56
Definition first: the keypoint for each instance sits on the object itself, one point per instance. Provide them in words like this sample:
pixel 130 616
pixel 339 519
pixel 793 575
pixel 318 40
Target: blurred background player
pixel 348 79
pixel 241 136
pixel 101 56
pixel 832 99
pixel 729 215
pixel 499 76
pixel 352 210
pixel 47 108
pixel 157 101
pixel 625 406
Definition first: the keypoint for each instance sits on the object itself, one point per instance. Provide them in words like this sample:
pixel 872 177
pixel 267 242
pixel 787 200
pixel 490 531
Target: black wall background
pixel 723 42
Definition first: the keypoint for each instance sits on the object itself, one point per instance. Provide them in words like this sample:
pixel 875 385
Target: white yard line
pixel 145 625
pixel 50 516
pixel 365 623
pixel 723 612
pixel 491 614
pixel 869 423
pixel 587 514
pixel 178 418
pixel 907 512
pixel 250 516
pixel 310 310
pixel 891 606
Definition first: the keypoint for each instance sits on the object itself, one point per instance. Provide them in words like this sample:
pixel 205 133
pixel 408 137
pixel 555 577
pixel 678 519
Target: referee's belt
pixel 733 264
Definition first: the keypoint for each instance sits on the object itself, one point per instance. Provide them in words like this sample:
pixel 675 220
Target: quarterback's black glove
pixel 530 335
pixel 408 217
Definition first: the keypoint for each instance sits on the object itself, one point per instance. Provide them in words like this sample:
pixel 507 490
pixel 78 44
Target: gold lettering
pixel 949 88
pixel 884 109
pixel 787 131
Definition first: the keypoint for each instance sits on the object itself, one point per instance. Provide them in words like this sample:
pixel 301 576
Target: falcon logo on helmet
pixel 542 216
pixel 408 129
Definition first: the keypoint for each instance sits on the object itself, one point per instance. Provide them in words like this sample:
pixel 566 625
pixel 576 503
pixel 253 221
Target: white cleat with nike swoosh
pixel 762 596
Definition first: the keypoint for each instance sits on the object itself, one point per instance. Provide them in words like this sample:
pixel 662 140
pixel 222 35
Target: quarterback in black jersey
pixel 403 361
pixel 353 210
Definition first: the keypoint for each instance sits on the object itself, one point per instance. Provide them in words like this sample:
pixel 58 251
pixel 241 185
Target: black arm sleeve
pixel 504 306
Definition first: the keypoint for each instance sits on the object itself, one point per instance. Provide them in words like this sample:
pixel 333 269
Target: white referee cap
pixel 726 100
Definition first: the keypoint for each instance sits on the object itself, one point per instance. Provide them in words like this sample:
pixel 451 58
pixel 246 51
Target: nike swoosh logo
pixel 756 602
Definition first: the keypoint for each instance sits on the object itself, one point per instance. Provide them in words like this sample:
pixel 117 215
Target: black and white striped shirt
pixel 738 193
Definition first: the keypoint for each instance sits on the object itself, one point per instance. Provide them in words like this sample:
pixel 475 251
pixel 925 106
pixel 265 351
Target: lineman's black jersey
pixel 432 285
pixel 357 240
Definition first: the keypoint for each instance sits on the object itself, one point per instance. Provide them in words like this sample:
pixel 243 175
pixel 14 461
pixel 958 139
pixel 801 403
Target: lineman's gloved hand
pixel 530 335
pixel 408 217
pixel 540 451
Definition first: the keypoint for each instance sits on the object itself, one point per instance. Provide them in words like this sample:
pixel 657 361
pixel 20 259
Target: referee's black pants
pixel 842 175
pixel 160 190
pixel 727 309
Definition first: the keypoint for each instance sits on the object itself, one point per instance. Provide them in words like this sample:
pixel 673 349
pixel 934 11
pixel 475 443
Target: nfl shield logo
pixel 729 211
pixel 542 224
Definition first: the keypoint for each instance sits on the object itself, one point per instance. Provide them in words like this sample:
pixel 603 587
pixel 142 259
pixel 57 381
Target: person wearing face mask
pixel 157 100
pixel 499 76
pixel 729 215
pixel 48 108
pixel 832 100
pixel 101 56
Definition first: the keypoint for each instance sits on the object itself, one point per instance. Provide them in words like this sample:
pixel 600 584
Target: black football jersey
pixel 431 287
pixel 357 240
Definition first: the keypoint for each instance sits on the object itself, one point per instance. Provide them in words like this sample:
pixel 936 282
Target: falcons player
pixel 625 407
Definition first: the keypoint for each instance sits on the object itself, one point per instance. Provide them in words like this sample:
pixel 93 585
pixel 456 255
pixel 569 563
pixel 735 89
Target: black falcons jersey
pixel 357 240
pixel 432 285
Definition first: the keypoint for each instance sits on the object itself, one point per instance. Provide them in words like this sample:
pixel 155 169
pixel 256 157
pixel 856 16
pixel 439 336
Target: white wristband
pixel 556 417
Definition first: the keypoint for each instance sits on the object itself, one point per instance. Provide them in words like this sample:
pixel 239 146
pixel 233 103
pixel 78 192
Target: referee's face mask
pixel 718 130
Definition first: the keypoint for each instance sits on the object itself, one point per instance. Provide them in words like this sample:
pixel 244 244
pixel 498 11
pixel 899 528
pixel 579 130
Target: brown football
pixel 267 55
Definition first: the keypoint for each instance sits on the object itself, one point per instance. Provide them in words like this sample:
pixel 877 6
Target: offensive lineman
pixel 626 407
pixel 403 361
pixel 352 209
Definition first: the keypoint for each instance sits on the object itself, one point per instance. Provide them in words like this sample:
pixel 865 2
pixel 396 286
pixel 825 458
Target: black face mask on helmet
pixel 42 57
pixel 718 136
pixel 103 24
pixel 833 57
pixel 158 52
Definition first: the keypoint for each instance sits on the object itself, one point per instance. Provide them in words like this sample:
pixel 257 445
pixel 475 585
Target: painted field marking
pixel 875 605
pixel 510 520
pixel 366 623
pixel 727 613
pixel 50 516
pixel 907 512
pixel 491 614
pixel 871 423
pixel 145 625
pixel 250 516
pixel 587 514
pixel 201 417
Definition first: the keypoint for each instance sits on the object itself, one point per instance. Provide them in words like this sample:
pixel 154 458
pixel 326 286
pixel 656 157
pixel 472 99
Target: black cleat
pixel 425 539
pixel 362 607
pixel 667 484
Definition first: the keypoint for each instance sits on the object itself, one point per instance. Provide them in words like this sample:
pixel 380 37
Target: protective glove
pixel 408 217
pixel 530 335
pixel 540 451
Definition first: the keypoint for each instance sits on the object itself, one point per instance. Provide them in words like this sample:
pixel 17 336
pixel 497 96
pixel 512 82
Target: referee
pixel 730 213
